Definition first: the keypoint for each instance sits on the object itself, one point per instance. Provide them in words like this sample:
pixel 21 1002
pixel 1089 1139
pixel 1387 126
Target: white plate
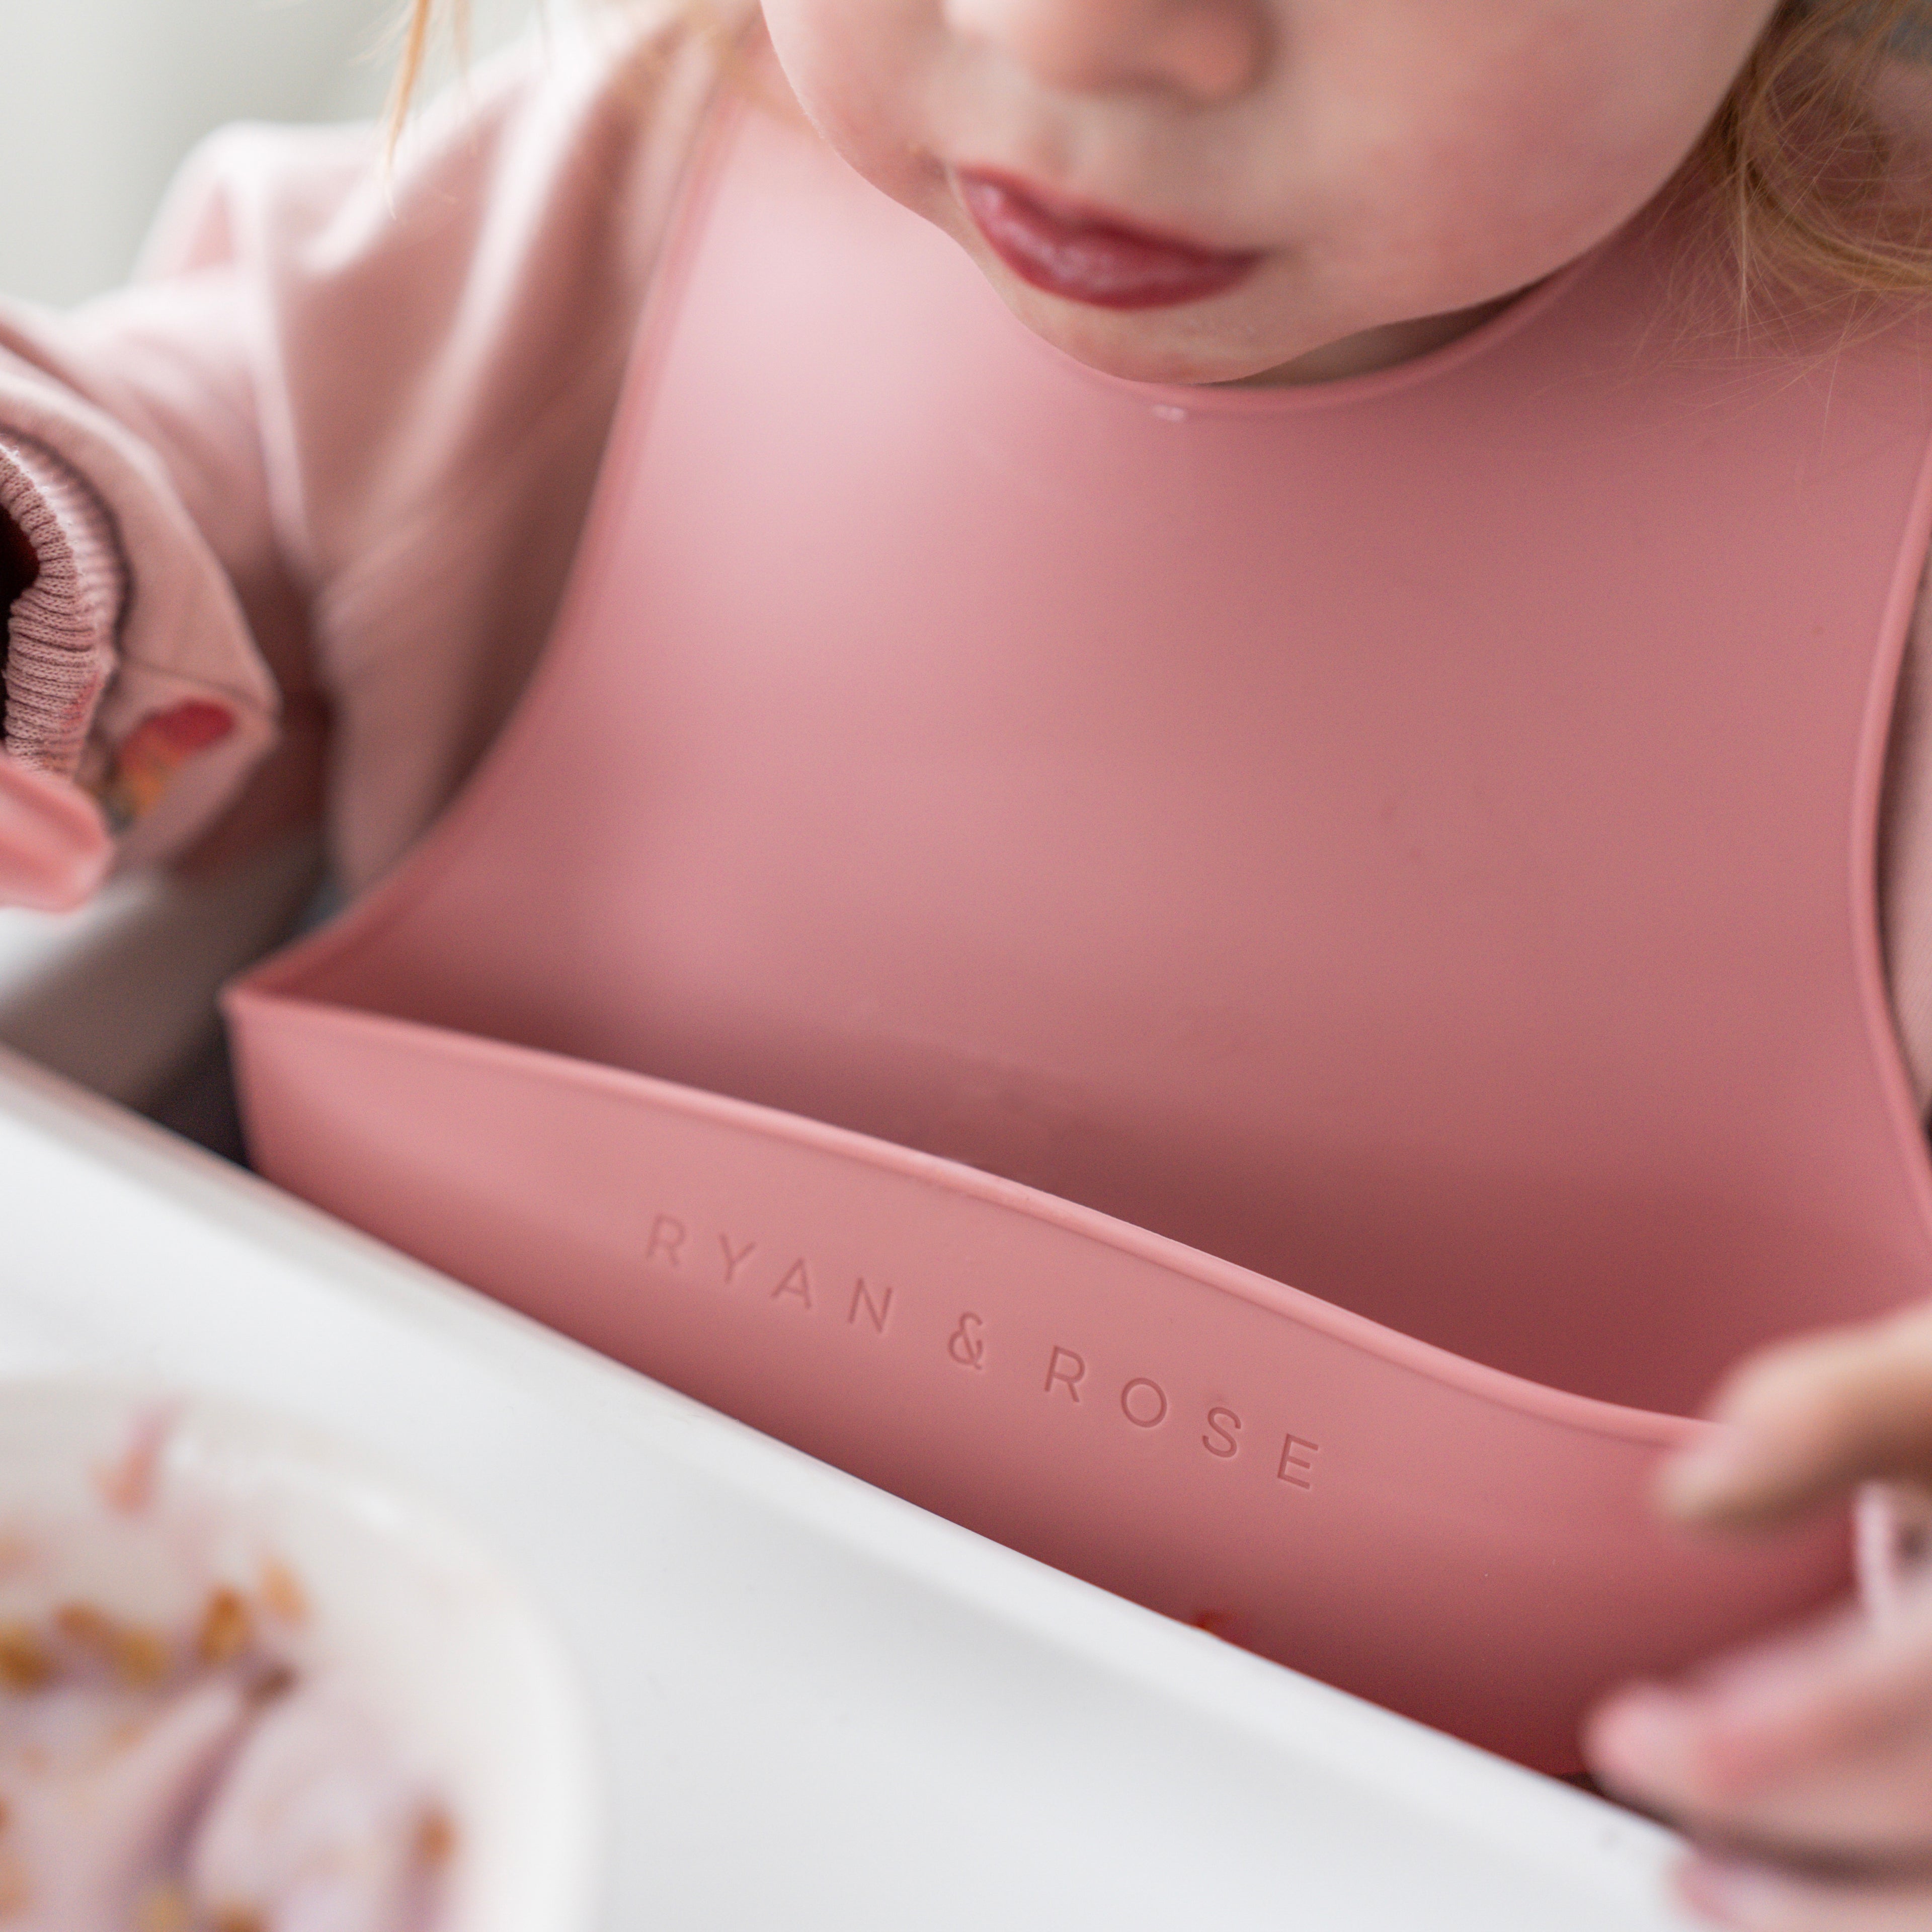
pixel 413 1620
pixel 819 1706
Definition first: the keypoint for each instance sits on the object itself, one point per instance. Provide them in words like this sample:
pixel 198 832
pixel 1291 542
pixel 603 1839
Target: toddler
pixel 288 519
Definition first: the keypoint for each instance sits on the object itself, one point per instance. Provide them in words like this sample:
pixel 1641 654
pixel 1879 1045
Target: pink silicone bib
pixel 1249 992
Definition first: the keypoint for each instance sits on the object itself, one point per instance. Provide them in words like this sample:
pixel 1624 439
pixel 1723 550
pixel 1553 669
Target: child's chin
pixel 1149 345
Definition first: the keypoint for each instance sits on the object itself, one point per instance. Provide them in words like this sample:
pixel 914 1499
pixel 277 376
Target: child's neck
pixel 1372 348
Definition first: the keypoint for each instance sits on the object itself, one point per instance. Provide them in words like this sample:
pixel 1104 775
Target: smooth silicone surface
pixel 820 1709
pixel 1409 840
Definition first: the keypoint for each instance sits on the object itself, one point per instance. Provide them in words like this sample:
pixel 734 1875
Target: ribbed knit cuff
pixel 61 630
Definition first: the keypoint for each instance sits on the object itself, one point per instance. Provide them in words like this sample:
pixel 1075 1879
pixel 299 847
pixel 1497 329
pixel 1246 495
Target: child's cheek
pixel 1494 157
pixel 1475 218
pixel 856 67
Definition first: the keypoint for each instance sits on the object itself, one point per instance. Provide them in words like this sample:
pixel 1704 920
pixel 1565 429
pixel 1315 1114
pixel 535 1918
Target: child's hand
pixel 1802 1767
pixel 54 849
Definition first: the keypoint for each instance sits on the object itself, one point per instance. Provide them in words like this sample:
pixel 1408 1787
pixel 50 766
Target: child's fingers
pixel 54 849
pixel 1821 1743
pixel 1806 1420
pixel 1759 1898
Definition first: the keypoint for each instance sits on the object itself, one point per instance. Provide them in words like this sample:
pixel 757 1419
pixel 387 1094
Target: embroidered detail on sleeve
pixel 141 767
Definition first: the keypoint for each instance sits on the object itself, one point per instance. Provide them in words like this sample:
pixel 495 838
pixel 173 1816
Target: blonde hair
pixel 1815 198
pixel 415 28
pixel 1796 159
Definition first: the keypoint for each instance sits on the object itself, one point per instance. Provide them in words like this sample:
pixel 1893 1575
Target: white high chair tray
pixel 820 1707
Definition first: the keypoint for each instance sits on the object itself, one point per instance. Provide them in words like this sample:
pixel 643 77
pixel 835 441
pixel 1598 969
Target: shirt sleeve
pixel 302 497
pixel 64 610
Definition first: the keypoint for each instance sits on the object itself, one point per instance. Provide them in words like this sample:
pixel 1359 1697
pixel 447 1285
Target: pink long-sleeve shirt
pixel 338 435
pixel 303 496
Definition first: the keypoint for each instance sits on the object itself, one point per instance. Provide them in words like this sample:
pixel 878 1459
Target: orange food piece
pixel 282 1593
pixel 436 1837
pixel 127 1483
pixel 26 1663
pixel 83 1624
pixel 141 1657
pixel 164 1908
pixel 227 1628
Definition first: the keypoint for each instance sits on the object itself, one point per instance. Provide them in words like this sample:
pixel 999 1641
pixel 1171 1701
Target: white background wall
pixel 102 98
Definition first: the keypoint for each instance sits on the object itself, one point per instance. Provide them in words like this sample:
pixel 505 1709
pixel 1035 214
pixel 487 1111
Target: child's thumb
pixel 54 849
pixel 1807 1421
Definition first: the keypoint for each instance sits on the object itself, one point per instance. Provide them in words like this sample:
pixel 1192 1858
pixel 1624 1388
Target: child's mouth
pixel 1087 259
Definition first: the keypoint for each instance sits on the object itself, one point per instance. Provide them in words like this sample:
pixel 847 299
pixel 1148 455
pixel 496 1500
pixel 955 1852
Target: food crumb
pixel 227 1628
pixel 127 1483
pixel 25 1662
pixel 436 1838
pixel 164 1908
pixel 238 1918
pixel 141 1657
pixel 282 1595
pixel 1216 1623
pixel 83 1623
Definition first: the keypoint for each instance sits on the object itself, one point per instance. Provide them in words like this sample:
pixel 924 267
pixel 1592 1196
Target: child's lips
pixel 1090 259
